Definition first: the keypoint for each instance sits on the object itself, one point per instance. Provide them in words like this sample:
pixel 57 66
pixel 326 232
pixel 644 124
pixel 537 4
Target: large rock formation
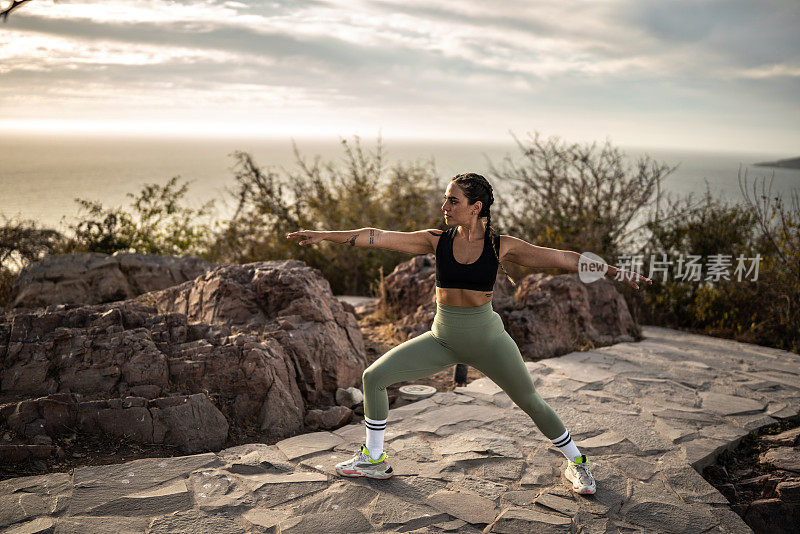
pixel 288 303
pixel 95 278
pixel 265 341
pixel 190 422
pixel 546 315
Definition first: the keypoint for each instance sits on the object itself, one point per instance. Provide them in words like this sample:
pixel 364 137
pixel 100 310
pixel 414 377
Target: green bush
pixel 361 193
pixel 778 322
pixel 155 224
pixel 21 243
pixel 7 278
pixel 764 311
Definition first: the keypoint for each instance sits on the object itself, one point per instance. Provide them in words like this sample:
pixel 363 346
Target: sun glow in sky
pixel 704 74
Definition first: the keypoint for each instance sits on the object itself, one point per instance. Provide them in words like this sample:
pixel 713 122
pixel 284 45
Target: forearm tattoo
pixel 371 236
pixel 352 240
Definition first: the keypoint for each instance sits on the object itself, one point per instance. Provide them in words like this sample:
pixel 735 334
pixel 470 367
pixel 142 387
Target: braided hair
pixel 476 188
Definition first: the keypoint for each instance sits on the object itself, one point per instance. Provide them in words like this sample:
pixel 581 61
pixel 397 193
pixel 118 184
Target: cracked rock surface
pixel 648 415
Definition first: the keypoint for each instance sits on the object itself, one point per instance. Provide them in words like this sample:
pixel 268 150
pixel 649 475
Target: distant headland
pixel 792 163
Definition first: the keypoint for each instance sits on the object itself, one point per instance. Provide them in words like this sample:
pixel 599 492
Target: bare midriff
pixel 451 296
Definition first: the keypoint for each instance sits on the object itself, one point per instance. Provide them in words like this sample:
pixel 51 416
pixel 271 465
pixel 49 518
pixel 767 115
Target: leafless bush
pixel 570 196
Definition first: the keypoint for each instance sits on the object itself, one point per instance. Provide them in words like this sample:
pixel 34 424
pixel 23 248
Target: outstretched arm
pixel 363 237
pixel 411 242
pixel 523 253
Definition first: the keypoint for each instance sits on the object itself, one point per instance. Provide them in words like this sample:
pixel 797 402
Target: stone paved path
pixel 648 415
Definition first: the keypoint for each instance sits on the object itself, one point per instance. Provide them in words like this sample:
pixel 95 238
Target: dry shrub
pixel 363 192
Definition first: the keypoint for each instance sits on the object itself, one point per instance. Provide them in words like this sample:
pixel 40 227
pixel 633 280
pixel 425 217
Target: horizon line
pixel 139 130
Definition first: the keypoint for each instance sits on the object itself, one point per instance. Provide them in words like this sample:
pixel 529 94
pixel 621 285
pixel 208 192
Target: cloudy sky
pixel 705 74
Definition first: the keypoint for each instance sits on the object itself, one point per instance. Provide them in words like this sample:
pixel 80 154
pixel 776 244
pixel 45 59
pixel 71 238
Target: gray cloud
pixel 521 23
pixel 740 32
pixel 306 63
pixel 515 60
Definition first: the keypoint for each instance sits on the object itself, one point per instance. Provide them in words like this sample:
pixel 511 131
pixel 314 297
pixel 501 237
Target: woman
pixel 465 329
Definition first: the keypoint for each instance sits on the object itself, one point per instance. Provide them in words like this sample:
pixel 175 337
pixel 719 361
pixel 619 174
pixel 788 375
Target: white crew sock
pixel 375 430
pixel 566 446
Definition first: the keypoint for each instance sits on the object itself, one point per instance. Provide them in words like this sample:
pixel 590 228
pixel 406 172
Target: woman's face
pixel 456 207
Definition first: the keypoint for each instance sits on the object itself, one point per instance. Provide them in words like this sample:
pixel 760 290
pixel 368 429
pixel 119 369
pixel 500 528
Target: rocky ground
pixel 751 482
pixel 650 416
pixel 761 478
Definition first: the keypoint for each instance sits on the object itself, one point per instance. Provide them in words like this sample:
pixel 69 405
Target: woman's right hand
pixel 311 236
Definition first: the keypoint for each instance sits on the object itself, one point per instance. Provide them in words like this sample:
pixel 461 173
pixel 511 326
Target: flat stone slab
pixel 264 518
pixel 648 415
pixel 110 489
pixel 606 439
pixel 579 366
pixel 451 416
pixel 513 520
pixel 481 441
pixel 334 522
pixel 730 404
pixel 789 437
pixel 389 511
pixel 469 507
pixel 305 444
pixel 786 458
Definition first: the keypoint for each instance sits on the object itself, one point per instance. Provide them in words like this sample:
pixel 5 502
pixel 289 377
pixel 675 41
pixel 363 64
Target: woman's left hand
pixel 628 277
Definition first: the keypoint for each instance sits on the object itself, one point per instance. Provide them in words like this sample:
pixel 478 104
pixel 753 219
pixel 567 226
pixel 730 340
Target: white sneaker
pixel 581 477
pixel 361 465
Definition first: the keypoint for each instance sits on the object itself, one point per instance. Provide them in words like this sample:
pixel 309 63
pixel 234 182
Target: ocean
pixel 40 176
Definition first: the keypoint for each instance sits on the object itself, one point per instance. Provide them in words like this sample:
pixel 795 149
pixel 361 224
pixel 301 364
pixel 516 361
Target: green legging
pixel 471 335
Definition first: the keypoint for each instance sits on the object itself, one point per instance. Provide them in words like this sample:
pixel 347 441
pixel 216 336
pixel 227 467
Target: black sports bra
pixel 479 275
